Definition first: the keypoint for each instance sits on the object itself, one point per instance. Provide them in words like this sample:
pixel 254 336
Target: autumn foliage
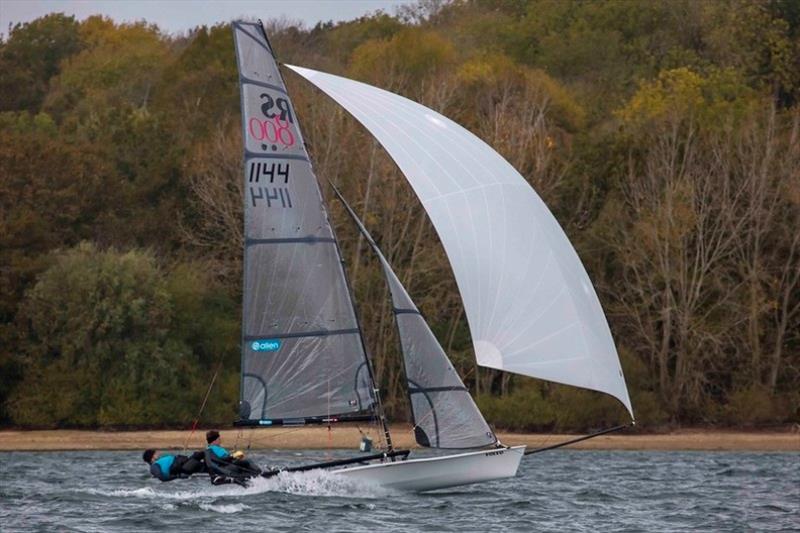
pixel 664 136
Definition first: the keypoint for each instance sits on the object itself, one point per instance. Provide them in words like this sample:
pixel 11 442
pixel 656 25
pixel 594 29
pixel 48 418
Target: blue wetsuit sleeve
pixel 219 451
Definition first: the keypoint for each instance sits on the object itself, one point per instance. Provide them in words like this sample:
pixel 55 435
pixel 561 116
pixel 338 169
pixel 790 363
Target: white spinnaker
pixel 530 305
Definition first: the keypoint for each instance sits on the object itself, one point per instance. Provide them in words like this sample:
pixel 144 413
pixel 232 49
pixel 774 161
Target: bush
pixel 525 409
pixel 756 405
pixel 105 345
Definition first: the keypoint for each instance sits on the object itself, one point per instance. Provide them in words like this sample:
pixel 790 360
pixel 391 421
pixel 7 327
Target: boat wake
pixel 207 497
pixel 223 508
pixel 319 483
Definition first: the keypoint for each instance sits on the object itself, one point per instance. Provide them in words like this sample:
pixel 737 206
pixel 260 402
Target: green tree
pixel 108 342
pixel 663 134
pixel 760 39
pixel 117 69
pixel 31 56
pixel 199 88
pixel 51 194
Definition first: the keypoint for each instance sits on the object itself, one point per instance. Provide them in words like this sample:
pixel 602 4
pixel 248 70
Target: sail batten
pixel 527 297
pixel 303 356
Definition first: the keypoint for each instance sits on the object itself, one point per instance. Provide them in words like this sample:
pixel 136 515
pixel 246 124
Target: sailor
pixel 246 468
pixel 168 467
pixel 213 438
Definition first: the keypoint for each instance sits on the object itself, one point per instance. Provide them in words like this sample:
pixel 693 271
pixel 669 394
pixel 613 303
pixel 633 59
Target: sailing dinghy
pixel 530 305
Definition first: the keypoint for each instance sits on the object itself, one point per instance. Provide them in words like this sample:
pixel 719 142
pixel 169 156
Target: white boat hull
pixel 433 473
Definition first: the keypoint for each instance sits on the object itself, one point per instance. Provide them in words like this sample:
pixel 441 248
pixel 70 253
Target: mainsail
pixel 529 302
pixel 444 414
pixel 302 351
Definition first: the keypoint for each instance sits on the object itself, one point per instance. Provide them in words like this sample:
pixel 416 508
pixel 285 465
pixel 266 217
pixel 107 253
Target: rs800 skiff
pixel 530 305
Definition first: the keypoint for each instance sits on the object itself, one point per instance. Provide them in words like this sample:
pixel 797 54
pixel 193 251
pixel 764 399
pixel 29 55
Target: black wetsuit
pixel 180 466
pixel 223 468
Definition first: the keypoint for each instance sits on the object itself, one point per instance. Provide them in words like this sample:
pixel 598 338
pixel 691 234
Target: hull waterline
pixel 434 473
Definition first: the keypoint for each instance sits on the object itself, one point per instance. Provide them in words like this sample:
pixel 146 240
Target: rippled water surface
pixel 554 491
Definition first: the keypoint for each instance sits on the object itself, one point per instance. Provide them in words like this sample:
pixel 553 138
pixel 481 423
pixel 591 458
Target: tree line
pixel 664 136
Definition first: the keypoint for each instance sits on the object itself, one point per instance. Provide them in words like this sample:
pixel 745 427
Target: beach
pixel 348 437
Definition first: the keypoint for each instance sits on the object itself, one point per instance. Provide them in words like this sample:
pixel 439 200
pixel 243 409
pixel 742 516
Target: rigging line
pixel 386 269
pixel 261 439
pixel 579 439
pixel 301 428
pixel 379 430
pixel 376 392
pixel 330 443
pixel 330 436
pixel 544 441
pixel 203 405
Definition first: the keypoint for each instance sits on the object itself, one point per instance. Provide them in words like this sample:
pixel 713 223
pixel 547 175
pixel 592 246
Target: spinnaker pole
pixel 579 439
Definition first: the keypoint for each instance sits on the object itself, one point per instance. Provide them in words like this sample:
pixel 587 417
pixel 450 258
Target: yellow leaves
pixel 679 96
pixel 676 92
pixel 474 71
pixel 368 56
pixel 98 31
pixel 489 69
pixel 498 73
pixel 564 104
pixel 413 52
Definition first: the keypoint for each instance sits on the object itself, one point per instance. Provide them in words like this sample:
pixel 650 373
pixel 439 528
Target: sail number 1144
pixel 263 172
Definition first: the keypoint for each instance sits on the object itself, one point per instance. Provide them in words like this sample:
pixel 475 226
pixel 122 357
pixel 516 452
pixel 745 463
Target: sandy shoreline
pixel 349 437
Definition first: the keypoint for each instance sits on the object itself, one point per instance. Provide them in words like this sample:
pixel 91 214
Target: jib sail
pixel 444 414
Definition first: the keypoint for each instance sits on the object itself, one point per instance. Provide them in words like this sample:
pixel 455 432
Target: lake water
pixel 561 490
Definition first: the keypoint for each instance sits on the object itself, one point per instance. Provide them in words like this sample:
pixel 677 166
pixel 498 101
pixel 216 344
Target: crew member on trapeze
pixel 225 467
pixel 168 467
